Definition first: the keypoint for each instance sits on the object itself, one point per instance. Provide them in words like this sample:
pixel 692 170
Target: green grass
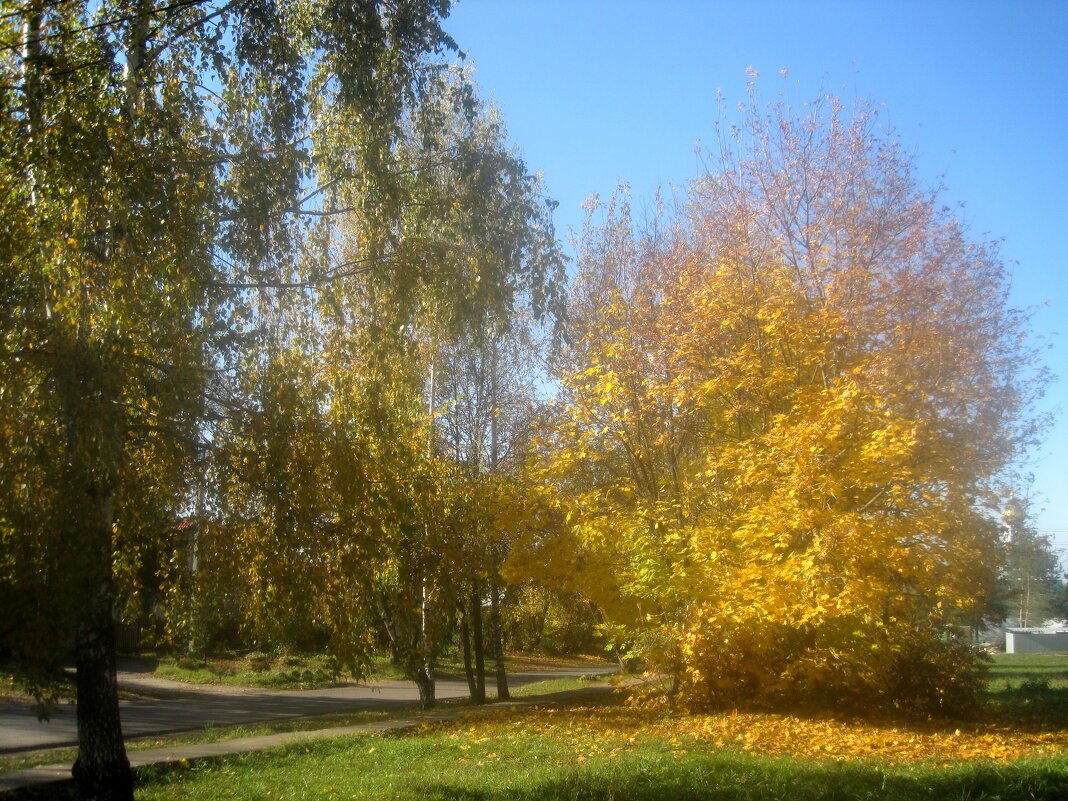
pixel 517 761
pixel 462 762
pixel 549 686
pixel 537 755
pixel 12 688
pixel 1014 669
pixel 14 762
pixel 477 761
pixel 305 672
pixel 1029 689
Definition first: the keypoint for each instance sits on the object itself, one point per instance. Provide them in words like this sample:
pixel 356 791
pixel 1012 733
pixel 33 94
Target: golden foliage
pixel 592 732
pixel 783 422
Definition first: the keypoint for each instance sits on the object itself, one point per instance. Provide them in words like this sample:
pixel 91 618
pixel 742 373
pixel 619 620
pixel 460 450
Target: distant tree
pixel 488 400
pixel 1061 606
pixel 1031 578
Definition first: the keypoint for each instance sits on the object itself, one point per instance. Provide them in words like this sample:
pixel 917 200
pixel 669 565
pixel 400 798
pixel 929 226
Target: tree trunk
pixel 465 640
pixel 496 635
pixel 95 433
pixel 389 629
pixel 541 618
pixel 394 651
pixel 102 770
pixel 497 642
pixel 424 680
pixel 136 50
pixel 479 697
pixel 418 668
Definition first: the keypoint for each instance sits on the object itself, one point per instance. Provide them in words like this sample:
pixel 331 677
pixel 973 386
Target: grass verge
pixel 313 671
pixel 550 686
pixel 1016 749
pixel 624 753
pixel 287 673
pixel 1013 670
pixel 10 763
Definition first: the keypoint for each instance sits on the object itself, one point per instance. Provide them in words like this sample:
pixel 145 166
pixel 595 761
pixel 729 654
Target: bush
pixel 258 661
pixel 837 666
pixel 555 622
pixel 191 663
pixel 936 677
pixel 1034 687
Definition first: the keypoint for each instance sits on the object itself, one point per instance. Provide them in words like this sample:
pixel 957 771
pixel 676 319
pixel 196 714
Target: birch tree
pixel 155 156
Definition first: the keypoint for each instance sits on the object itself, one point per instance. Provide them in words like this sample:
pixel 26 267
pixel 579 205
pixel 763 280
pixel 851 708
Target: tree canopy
pixel 786 419
pixel 200 201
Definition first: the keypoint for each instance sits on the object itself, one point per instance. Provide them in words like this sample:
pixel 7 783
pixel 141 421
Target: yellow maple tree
pixel 785 414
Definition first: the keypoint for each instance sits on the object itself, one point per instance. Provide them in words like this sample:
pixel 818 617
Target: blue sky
pixel 599 92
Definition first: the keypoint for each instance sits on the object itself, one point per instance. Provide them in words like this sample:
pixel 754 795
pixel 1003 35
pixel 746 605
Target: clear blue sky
pixel 599 92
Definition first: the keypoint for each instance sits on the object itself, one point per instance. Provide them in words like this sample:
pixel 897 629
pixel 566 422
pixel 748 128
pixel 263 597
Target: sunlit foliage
pixel 784 417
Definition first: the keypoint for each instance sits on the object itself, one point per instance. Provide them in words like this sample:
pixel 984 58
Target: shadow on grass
pixel 727 778
pixel 739 778
pixel 1032 708
pixel 59 791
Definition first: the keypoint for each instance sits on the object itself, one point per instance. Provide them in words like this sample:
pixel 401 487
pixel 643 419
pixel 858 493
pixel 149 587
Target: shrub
pixel 836 666
pixel 1034 687
pixel 258 661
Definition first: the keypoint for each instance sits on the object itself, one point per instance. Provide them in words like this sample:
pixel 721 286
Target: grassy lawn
pixel 624 753
pixel 14 762
pixel 1015 748
pixel 1031 689
pixel 1012 670
pixel 303 672
pixel 10 763
pixel 550 686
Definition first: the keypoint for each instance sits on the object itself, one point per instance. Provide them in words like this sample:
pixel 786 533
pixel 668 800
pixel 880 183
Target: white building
pixel 1037 641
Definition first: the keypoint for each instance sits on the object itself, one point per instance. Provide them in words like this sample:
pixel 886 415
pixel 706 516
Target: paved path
pixel 249 705
pixel 175 706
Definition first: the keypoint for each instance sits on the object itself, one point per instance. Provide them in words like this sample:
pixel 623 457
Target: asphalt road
pixel 185 707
